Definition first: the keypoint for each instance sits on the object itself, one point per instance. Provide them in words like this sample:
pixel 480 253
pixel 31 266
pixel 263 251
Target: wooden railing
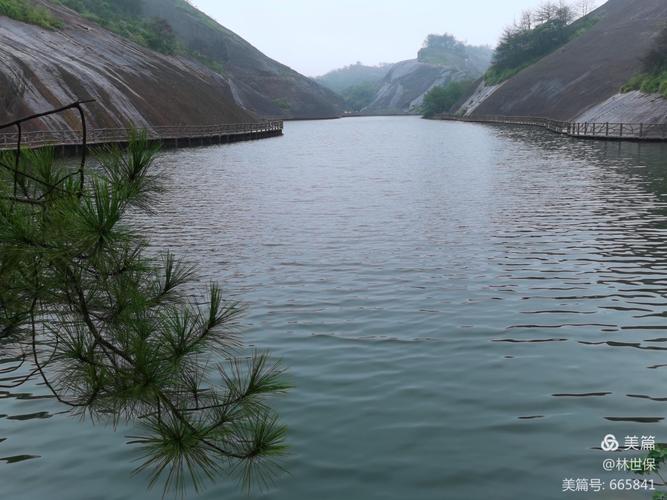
pixel 634 131
pixel 119 135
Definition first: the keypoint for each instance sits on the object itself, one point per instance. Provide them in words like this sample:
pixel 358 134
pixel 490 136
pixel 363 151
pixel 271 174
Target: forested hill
pixel 401 87
pixel 598 57
pixel 357 84
pixel 146 62
pixel 353 75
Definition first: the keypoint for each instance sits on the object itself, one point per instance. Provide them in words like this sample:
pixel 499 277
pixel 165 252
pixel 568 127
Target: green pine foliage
pixel 539 34
pixel 120 336
pixel 27 12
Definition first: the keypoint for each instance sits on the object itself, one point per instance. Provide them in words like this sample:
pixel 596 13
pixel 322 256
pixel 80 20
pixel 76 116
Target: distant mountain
pixel 356 84
pixel 445 50
pixel 443 59
pixel 342 79
pixel 581 80
pixel 401 87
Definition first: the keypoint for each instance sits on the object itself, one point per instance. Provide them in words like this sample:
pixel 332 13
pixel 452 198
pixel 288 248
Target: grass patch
pixel 27 12
pixel 124 17
pixel 653 79
pixel 494 76
pixel 648 83
pixel 127 19
pixel 282 103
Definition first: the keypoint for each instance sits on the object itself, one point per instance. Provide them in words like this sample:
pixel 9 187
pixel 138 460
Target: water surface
pixel 465 310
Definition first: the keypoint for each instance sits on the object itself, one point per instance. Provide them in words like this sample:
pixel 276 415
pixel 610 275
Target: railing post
pixel 641 130
pixel 17 159
pixel 621 130
pixel 607 132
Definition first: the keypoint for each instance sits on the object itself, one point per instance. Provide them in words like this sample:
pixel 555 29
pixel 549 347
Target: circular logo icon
pixel 609 443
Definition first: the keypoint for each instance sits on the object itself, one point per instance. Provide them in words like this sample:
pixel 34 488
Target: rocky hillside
pixel 259 83
pixel 442 60
pixel 356 84
pixel 72 57
pixel 582 79
pixel 46 68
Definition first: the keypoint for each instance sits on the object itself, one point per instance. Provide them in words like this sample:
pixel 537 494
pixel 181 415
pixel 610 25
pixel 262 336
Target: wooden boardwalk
pixel 609 131
pixel 178 136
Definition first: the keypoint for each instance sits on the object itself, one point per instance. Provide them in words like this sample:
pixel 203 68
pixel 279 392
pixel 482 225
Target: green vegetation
pixel 282 103
pixel 538 34
pixel 446 50
pixel 649 83
pixel 27 12
pixel 654 77
pixel 340 80
pixel 121 336
pixel 441 99
pixel 124 17
pixel 359 96
pixel 357 84
pixel 652 464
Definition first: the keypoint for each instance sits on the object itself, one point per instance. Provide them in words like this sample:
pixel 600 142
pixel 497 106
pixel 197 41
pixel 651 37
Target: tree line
pixel 536 34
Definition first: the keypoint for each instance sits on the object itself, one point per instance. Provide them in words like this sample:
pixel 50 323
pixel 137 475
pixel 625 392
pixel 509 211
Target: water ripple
pixel 412 275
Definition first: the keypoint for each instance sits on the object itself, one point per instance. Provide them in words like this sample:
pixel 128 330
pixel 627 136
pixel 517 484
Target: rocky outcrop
pixel 442 60
pixel 633 107
pixel 42 69
pixel 586 73
pixel 260 84
pixel 481 93
pixel 404 87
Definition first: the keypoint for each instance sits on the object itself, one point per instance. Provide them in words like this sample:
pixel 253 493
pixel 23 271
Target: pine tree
pixel 117 335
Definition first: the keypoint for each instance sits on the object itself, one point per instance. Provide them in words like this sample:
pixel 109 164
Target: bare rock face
pixel 42 69
pixel 584 73
pixel 406 84
pixel 633 107
pixel 260 84
pixel 442 60
pixel 481 93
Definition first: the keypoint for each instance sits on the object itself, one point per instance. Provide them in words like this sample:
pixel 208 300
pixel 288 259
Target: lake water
pixel 465 311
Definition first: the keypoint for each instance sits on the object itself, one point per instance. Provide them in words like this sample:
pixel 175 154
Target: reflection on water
pixel 466 310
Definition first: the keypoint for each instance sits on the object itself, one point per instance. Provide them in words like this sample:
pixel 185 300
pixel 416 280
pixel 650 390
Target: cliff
pixel 404 87
pixel 44 68
pixel 442 60
pixel 582 79
pixel 260 84
pixel 400 88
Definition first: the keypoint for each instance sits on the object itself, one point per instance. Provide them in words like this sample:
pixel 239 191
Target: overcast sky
pixel 315 36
